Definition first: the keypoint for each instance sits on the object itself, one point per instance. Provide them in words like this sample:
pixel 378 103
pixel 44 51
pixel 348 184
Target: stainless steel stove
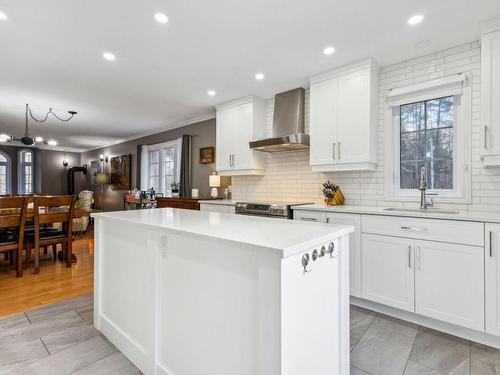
pixel 275 209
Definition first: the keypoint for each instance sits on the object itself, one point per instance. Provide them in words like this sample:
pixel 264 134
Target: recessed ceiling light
pixel 259 76
pixel 38 139
pixel 161 18
pixel 3 16
pixel 416 19
pixel 329 50
pixel 51 142
pixel 211 93
pixel 109 56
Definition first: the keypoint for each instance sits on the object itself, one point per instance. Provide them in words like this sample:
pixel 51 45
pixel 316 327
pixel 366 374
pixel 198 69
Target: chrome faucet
pixel 423 194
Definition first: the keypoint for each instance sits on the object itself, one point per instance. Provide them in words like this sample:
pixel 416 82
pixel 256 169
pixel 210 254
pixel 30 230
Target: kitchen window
pixel 25 172
pixel 428 126
pixel 160 166
pixel 4 173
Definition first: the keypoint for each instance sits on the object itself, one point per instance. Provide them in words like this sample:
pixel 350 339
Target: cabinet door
pixel 242 135
pixel 387 268
pixel 323 122
pixel 224 135
pixel 449 283
pixel 354 117
pixel 354 248
pixel 492 278
pixel 490 93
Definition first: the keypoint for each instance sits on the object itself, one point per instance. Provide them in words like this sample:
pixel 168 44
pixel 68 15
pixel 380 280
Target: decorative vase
pixel 337 199
pixel 175 194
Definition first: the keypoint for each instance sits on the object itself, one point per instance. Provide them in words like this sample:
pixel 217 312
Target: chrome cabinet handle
pixel 418 229
pixel 334 143
pixel 418 258
pixel 338 149
pixel 409 256
pixel 233 161
pixel 485 137
pixel 328 220
pixel 491 244
pixel 308 218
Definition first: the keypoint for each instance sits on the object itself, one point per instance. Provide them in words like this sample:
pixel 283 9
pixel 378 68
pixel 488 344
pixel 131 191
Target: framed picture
pixel 121 173
pixel 95 168
pixel 207 155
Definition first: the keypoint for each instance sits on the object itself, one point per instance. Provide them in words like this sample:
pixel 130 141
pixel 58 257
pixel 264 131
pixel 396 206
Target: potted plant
pixel 175 187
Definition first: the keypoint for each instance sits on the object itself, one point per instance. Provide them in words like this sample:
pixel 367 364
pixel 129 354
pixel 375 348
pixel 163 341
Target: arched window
pixel 4 173
pixel 25 172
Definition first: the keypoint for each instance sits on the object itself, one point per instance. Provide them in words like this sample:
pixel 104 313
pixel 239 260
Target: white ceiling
pixel 51 54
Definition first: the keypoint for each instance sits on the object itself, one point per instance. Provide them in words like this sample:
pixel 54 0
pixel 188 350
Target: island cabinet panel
pixel 124 292
pixel 220 302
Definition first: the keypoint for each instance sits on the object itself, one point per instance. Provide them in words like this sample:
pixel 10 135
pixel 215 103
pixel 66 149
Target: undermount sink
pixel 422 211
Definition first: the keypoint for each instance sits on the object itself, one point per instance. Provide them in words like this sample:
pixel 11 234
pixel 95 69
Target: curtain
pixel 185 181
pixel 144 169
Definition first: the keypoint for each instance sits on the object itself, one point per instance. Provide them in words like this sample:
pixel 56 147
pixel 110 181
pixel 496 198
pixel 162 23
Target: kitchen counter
pixel 245 231
pixel 193 292
pixel 477 216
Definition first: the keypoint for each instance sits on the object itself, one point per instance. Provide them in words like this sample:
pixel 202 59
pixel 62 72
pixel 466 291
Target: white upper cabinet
pixel 343 118
pixel 238 123
pixel 490 97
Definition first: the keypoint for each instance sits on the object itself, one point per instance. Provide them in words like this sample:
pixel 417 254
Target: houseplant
pixel 175 187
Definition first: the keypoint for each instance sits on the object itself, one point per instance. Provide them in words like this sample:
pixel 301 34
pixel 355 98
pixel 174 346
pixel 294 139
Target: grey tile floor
pixel 60 339
pixel 381 345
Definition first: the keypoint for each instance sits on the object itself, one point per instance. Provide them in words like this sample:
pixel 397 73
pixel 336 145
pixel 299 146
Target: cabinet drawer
pixel 304 215
pixel 452 231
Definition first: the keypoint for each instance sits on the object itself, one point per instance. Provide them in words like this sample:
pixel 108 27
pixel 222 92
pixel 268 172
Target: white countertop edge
pixel 338 232
pixel 476 216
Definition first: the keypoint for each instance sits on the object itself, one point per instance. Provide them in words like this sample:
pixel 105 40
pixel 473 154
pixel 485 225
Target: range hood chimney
pixel 288 124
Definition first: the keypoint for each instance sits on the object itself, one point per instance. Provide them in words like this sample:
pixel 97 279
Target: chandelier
pixel 29 140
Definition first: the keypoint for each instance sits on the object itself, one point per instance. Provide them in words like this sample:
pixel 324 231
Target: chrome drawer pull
pixel 418 229
pixel 308 219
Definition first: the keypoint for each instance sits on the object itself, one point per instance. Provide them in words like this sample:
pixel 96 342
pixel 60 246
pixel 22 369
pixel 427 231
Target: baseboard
pixel 130 348
pixel 465 333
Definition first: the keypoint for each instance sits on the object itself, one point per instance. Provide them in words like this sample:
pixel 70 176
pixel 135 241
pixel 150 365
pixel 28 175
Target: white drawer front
pixel 305 215
pixel 467 233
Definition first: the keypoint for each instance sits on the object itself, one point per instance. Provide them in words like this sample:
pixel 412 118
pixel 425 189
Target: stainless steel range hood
pixel 288 124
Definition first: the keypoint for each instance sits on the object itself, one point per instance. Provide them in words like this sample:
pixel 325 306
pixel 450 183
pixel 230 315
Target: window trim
pixel 462 140
pixel 21 174
pixel 177 143
pixel 8 163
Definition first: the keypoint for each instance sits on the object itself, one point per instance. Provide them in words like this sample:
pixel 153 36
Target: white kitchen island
pixel 184 292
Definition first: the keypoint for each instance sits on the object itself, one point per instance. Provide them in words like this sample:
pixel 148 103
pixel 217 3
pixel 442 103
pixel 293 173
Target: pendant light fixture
pixel 28 139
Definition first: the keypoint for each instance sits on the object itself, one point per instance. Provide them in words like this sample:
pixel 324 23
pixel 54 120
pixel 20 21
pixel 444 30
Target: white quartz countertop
pixel 478 216
pixel 286 236
pixel 222 202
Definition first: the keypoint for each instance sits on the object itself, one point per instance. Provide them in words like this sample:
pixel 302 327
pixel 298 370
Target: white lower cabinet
pixel 387 271
pixel 354 248
pixel 449 283
pixel 226 209
pixel 492 277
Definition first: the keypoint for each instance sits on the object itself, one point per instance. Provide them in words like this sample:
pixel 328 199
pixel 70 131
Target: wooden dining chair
pixel 51 210
pixel 12 223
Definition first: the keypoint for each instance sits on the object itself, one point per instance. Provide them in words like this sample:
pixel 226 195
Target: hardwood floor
pixel 54 283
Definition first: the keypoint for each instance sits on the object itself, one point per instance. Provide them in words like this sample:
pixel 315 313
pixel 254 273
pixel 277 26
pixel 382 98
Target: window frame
pixel 21 173
pixel 461 192
pixel 8 174
pixel 176 145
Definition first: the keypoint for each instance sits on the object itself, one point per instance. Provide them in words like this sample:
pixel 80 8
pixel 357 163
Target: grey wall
pixel 203 136
pixel 50 175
